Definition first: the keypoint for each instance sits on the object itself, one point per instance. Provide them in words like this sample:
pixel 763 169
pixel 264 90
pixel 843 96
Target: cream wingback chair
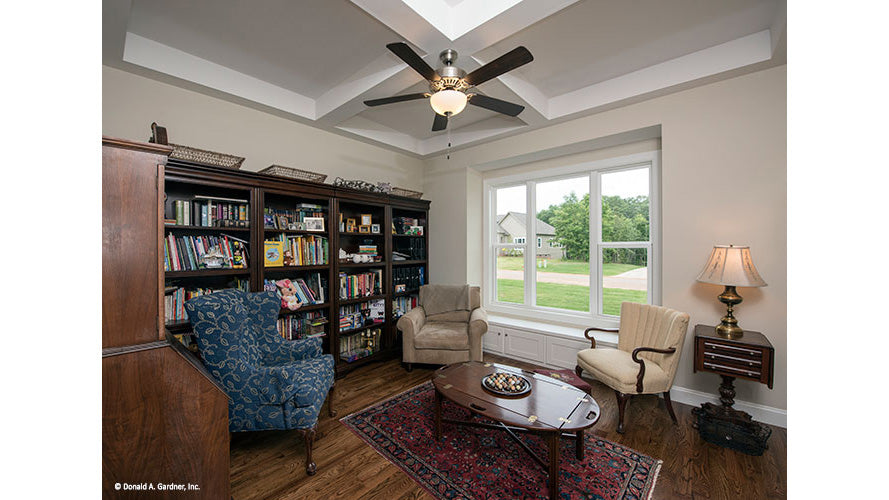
pixel 649 344
pixel 446 327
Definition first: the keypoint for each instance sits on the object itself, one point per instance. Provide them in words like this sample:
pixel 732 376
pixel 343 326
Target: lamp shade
pixel 447 101
pixel 730 265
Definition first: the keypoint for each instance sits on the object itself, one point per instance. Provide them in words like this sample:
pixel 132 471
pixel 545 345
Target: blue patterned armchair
pixel 272 383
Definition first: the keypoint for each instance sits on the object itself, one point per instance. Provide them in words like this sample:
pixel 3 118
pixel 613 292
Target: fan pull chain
pixel 449 140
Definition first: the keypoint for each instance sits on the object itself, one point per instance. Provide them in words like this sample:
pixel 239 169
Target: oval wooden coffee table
pixel 552 409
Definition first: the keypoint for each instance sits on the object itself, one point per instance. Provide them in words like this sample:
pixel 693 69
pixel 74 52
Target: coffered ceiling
pixel 316 61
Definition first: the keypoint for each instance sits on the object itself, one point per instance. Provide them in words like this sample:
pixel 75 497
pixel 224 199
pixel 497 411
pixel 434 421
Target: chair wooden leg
pixel 621 406
pixel 669 405
pixel 330 410
pixel 309 437
pixel 578 370
pixel 409 367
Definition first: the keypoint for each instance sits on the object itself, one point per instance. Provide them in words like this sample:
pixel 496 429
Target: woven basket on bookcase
pixel 407 193
pixel 294 173
pixel 206 157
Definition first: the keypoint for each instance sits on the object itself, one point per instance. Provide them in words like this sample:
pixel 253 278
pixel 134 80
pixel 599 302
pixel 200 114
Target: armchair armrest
pixel 294 350
pixel 478 325
pixel 410 323
pixel 586 333
pixel 636 358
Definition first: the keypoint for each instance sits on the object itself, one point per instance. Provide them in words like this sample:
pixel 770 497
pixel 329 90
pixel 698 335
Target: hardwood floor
pixel 271 464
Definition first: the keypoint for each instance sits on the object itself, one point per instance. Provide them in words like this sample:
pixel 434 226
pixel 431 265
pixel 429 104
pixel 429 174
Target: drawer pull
pixel 732 358
pixel 731 347
pixel 732 369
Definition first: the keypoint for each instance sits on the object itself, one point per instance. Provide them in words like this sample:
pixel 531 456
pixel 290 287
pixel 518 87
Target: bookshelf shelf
pixel 213 229
pixel 306 308
pixel 361 299
pixel 294 231
pixel 346 333
pixel 348 233
pixel 206 272
pixel 296 269
pixel 272 196
pixel 406 292
pixel 408 235
pixel 361 264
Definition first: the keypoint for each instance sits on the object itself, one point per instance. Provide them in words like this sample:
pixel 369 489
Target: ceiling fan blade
pixel 396 98
pixel 507 62
pixel 440 122
pixel 507 108
pixel 406 54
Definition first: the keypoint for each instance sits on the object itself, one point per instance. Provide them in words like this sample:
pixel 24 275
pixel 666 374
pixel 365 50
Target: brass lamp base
pixel 729 328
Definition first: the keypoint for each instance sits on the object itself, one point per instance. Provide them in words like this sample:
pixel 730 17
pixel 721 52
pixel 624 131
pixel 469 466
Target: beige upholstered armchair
pixel 446 327
pixel 649 344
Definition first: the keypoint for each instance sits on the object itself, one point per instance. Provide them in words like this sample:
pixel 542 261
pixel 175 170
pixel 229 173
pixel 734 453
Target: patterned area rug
pixel 477 463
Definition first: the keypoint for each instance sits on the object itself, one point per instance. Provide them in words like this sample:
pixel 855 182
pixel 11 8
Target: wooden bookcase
pixel 184 180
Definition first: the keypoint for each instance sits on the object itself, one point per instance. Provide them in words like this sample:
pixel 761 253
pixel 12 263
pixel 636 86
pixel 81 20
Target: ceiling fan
pixel 450 88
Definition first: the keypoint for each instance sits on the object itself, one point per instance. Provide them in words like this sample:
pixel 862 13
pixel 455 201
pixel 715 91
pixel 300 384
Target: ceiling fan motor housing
pixel 451 77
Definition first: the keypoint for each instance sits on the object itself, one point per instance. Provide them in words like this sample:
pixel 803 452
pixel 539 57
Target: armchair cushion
pixel 616 369
pixel 449 336
pixel 437 299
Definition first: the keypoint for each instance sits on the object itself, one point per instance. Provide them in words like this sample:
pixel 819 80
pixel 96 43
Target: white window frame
pixel 594 169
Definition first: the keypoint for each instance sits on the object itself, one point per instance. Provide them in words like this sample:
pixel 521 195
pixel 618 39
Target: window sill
pixel 545 328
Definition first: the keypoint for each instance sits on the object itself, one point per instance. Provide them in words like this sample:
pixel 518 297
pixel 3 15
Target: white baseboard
pixel 760 413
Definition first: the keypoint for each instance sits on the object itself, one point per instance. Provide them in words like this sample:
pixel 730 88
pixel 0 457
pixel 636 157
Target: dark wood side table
pixel 749 357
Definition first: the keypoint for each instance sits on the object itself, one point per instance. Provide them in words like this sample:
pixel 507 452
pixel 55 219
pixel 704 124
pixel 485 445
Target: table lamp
pixel 730 266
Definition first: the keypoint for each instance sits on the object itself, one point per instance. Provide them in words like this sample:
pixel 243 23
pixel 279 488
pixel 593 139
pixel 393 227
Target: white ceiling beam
pixel 370 129
pixel 360 83
pixel 738 53
pixel 159 57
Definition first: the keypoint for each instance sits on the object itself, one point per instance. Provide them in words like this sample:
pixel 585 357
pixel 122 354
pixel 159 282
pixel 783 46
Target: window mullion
pixel 595 250
pixel 530 251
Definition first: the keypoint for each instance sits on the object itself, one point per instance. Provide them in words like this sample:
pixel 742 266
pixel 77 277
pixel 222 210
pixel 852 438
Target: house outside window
pixel 597 240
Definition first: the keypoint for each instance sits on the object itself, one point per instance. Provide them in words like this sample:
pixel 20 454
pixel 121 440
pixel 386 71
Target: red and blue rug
pixel 477 463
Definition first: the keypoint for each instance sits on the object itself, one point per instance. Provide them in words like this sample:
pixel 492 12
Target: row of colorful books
pixel 354 286
pixel 210 212
pixel 308 250
pixel 175 298
pixel 360 345
pixel 309 290
pixel 403 305
pixel 302 326
pixel 362 314
pixel 193 253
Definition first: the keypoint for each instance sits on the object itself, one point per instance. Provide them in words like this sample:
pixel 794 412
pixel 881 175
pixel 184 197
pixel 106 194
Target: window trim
pixel 595 169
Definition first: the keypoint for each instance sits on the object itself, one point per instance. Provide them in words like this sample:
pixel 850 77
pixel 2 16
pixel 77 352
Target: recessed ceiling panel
pixel 597 40
pixel 307 46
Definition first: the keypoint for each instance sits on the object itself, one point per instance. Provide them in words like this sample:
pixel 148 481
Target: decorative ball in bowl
pixel 507 384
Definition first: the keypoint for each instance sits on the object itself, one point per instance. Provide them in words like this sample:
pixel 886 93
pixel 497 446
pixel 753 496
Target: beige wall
pixel 724 172
pixel 131 102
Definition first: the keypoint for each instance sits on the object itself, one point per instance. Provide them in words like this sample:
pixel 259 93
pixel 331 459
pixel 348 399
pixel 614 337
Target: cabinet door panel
pixel 524 345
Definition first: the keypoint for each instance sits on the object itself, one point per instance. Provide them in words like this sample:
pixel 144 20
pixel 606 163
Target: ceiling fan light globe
pixel 448 102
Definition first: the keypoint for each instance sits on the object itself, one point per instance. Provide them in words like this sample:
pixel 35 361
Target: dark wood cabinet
pixel 164 420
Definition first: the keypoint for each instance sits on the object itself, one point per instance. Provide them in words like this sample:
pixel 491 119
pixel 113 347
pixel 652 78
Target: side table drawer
pixel 725 358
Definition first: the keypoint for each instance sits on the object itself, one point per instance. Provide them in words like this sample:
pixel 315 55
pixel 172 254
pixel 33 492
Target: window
pixel 599 223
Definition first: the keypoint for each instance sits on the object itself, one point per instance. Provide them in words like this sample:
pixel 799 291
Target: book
pixel 274 253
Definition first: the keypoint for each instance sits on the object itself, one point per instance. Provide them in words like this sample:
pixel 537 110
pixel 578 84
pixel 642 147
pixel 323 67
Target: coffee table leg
pixel 580 444
pixel 437 415
pixel 553 465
